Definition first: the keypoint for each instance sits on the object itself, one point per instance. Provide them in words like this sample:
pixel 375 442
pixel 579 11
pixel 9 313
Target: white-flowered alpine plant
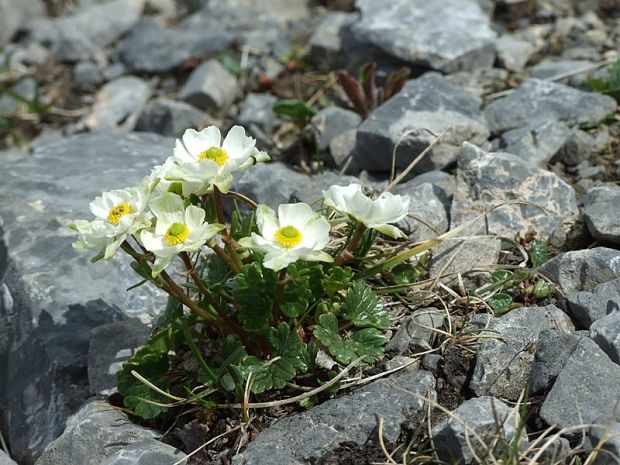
pixel 264 285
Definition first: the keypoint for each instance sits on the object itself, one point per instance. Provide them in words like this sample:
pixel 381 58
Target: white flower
pixel 159 183
pixel 296 233
pixel 177 229
pixel 118 214
pixel 376 214
pixel 203 159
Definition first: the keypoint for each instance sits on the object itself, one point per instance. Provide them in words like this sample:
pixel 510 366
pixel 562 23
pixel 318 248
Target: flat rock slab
pixel 86 33
pixel 94 433
pixel 429 103
pixel 583 270
pixel 587 389
pixel 453 36
pixel 52 296
pixel 504 361
pixel 606 333
pixel 310 436
pixel 537 102
pixel 152 49
pixel 601 207
pixel 486 180
pixel 146 452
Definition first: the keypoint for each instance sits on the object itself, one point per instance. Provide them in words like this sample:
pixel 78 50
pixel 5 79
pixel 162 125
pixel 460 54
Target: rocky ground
pixel 92 93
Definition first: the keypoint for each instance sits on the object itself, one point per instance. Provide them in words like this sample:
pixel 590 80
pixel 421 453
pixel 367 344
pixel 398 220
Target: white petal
pixel 194 217
pixel 338 197
pixel 238 146
pixel 152 242
pixel 388 230
pixel 295 214
pixel 223 182
pixel 113 245
pixel 197 142
pixel 277 262
pixel 318 256
pixel 316 234
pixel 181 154
pixel 266 220
pixel 159 265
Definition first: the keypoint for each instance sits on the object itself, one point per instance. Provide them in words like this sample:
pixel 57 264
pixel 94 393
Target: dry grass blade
pixel 388 456
pixel 210 441
pixel 415 161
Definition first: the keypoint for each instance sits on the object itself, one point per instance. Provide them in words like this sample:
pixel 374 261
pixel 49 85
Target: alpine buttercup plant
pixel 254 297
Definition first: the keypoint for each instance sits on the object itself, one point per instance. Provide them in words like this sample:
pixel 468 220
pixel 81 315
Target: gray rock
pixel 118 103
pixel 585 390
pixel 586 307
pixel 210 86
pixel 86 33
pixel 551 69
pixel 455 36
pixel 18 55
pixel 13 16
pixel 417 332
pixel 26 88
pixel 94 433
pixel 536 102
pixel 606 333
pixel 272 183
pixel 341 147
pixel 472 428
pixel 601 208
pixel 326 40
pixel 110 346
pixel 452 256
pixel 552 351
pixel 257 116
pixel 427 215
pixel 146 452
pixel 443 183
pixel 6 460
pixel 87 73
pixel 582 270
pixel 53 295
pixel 311 436
pixel 555 450
pixel 504 363
pixel 170 117
pixel 330 122
pixel 513 52
pixel 429 103
pixel 606 434
pixel 537 145
pixel 153 49
pixel 486 180
pixel 577 148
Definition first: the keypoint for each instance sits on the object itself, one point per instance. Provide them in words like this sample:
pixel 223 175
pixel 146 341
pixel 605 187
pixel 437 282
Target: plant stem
pixel 226 237
pixel 219 209
pixel 207 295
pixel 228 260
pixel 347 253
pixel 277 298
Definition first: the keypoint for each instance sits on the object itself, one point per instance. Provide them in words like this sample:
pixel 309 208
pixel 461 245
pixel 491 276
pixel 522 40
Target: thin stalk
pixel 277 298
pixel 232 264
pixel 219 209
pixel 347 253
pixel 207 295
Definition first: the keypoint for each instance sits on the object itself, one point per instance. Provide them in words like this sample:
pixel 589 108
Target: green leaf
pixel 218 271
pixel 501 275
pixel 367 342
pixel 142 269
pixel 173 311
pixel 406 273
pixel 500 303
pixel 614 77
pixel 337 279
pixel 254 290
pixel 542 289
pixel 295 109
pixel 151 361
pixel 231 64
pixel 539 253
pixel 364 308
pixel 287 351
pixel 298 291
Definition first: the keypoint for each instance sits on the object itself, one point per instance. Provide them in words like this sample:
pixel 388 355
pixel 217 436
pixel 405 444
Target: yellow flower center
pixel 176 234
pixel 116 213
pixel 216 154
pixel 288 236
